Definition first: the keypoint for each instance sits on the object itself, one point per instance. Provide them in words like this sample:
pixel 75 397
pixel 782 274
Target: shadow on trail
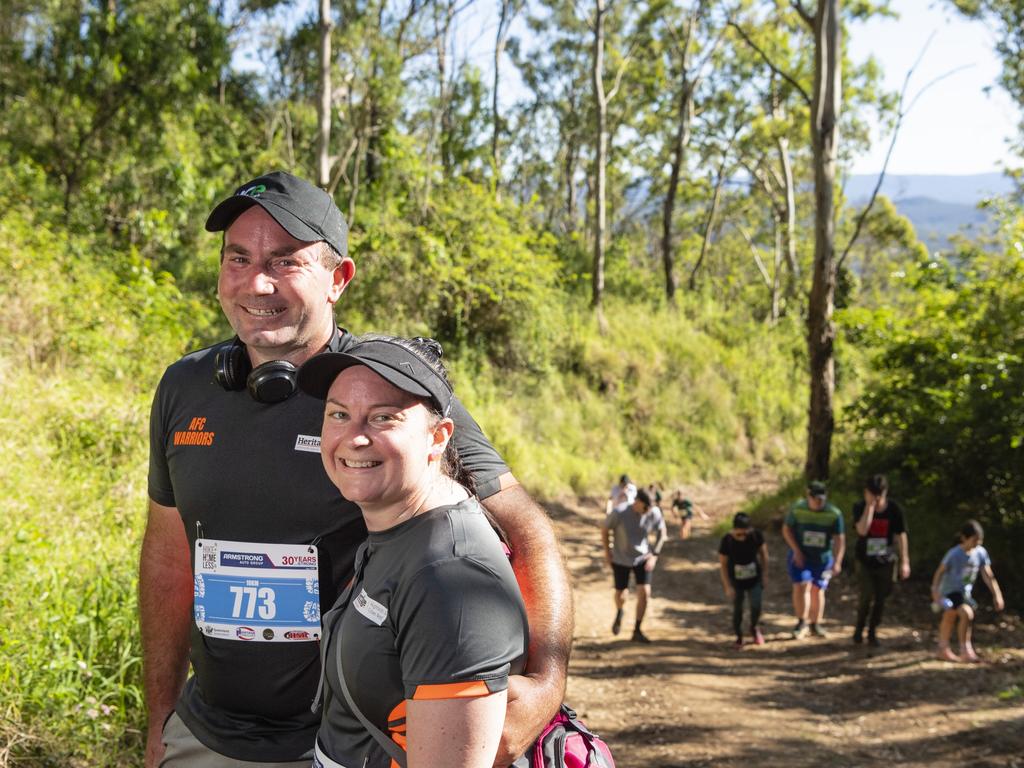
pixel 989 746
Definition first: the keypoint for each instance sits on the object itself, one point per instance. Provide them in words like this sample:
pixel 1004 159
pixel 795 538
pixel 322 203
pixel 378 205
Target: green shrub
pixel 945 415
pixel 86 335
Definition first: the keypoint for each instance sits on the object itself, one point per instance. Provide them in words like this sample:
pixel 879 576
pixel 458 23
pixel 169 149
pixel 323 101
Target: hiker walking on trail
pixel 811 527
pixel 625 534
pixel 881 543
pixel 685 508
pixel 743 563
pixel 623 492
pixel 951 590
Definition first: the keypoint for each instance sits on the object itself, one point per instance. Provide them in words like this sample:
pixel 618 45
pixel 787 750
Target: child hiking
pixel 951 590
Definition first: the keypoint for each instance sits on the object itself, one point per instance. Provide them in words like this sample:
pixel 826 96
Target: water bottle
pixel 942 605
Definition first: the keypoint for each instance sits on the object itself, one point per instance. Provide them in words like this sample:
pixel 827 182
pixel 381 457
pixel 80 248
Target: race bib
pixel 257 592
pixel 877 547
pixel 741 571
pixel 814 539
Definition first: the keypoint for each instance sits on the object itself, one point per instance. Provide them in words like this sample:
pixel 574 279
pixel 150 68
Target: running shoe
pixel 873 640
pixel 617 624
pixel 800 631
pixel 818 631
pixel 858 635
pixel 738 643
pixel 640 637
pixel 758 637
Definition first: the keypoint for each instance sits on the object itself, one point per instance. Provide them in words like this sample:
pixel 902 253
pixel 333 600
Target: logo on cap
pixel 254 191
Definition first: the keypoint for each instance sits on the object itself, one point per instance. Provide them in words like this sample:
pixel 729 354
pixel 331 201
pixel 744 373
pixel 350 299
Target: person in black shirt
pixel 743 562
pixel 881 542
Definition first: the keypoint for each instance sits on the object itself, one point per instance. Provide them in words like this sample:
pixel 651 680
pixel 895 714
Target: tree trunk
pixel 708 225
pixel 777 231
pixel 508 11
pixel 682 140
pixel 821 332
pixel 687 89
pixel 793 279
pixel 600 156
pixel 713 210
pixel 323 146
pixel 569 169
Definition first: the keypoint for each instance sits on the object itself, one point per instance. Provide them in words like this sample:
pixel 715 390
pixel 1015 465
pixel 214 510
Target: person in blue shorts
pixel 815 533
pixel 951 590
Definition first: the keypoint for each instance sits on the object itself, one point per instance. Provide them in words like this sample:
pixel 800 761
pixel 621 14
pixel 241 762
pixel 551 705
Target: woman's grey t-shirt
pixel 435 612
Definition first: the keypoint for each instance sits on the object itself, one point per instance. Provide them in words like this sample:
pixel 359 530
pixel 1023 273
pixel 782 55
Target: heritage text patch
pixel 308 443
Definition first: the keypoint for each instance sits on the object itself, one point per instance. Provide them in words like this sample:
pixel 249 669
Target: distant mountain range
pixel 937 206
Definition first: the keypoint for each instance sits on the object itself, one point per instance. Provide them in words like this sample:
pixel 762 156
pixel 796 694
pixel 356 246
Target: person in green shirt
pixel 816 537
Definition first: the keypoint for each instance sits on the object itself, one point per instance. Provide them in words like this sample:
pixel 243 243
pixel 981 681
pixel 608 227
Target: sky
pixel 960 125
pixel 955 127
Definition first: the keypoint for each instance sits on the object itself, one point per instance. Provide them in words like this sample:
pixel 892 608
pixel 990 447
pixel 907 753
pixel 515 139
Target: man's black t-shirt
pixel 239 470
pixel 744 567
pixel 875 550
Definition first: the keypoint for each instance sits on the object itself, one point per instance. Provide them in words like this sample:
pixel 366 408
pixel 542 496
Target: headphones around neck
pixel 271 382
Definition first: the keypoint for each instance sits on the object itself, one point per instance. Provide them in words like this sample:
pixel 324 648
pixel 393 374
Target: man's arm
pixel 840 540
pixel 658 544
pixel 537 561
pixel 903 547
pixel 165 615
pixel 790 539
pixel 863 524
pixel 762 555
pixel 606 543
pixel 723 572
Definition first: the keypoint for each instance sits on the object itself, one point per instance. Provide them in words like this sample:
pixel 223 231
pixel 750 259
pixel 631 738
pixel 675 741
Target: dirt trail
pixel 691 699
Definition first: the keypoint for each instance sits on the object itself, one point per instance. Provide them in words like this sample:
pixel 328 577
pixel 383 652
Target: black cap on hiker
pixel 816 488
pixel 390 360
pixel 305 212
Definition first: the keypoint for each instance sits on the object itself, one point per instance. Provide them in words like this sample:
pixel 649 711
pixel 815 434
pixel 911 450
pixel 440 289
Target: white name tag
pixel 814 538
pixel 744 570
pixel 370 608
pixel 307 443
pixel 878 547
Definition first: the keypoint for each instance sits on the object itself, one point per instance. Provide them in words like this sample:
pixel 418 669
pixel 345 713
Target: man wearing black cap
pixel 812 528
pixel 246 537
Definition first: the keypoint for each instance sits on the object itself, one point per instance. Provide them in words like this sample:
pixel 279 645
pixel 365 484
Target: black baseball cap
pixel 389 359
pixel 741 520
pixel 816 488
pixel 305 212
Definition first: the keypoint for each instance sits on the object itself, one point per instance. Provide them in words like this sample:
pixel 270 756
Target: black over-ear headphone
pixel 271 382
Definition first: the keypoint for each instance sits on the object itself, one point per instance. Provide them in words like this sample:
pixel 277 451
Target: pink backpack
pixel 567 743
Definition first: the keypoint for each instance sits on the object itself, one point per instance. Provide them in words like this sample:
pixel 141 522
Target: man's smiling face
pixel 275 291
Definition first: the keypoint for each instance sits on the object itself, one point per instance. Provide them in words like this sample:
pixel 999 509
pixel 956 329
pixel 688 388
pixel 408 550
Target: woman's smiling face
pixel 380 445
